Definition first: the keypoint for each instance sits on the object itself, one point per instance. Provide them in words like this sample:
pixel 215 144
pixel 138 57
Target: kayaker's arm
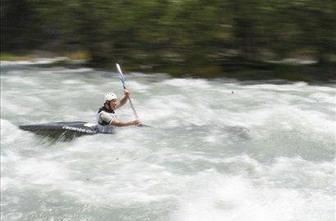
pixel 119 123
pixel 116 122
pixel 124 99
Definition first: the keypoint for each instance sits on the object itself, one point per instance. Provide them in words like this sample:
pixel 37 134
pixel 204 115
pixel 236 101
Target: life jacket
pixel 103 126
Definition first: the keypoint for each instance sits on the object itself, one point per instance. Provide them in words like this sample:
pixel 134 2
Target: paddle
pixel 122 79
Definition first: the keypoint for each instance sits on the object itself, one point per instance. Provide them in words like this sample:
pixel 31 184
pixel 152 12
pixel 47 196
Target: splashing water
pixel 217 150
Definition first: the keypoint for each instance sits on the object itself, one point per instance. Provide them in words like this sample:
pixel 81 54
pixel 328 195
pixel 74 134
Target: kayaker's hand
pixel 137 122
pixel 126 93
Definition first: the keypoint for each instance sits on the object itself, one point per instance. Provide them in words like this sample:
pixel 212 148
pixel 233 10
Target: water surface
pixel 218 149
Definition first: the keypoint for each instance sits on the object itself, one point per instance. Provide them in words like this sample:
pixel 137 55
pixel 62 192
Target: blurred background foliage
pixel 167 33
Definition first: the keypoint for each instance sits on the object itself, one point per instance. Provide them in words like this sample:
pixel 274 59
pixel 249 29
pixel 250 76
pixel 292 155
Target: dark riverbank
pixel 290 69
pixel 290 72
pixel 242 39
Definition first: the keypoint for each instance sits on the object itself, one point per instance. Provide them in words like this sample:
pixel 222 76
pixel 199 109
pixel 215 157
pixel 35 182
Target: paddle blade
pixel 118 67
pixel 121 75
pixel 144 125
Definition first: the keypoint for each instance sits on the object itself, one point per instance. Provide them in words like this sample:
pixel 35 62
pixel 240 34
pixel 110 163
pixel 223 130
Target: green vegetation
pixel 204 38
pixel 11 57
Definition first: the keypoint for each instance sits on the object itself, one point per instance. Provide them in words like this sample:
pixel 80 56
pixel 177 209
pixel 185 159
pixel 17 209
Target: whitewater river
pixel 218 150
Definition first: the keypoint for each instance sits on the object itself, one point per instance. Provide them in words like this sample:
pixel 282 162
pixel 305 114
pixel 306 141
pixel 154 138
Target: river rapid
pixel 217 150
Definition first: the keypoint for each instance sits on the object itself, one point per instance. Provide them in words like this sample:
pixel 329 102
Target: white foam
pixel 34 61
pixel 264 152
pixel 214 196
pixel 187 83
pixel 9 132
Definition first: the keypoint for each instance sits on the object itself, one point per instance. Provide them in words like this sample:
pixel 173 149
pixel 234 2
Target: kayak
pixel 62 129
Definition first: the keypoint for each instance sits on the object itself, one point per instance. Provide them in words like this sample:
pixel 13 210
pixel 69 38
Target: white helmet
pixel 110 96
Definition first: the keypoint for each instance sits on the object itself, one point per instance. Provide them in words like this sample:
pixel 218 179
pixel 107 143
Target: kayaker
pixel 106 117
